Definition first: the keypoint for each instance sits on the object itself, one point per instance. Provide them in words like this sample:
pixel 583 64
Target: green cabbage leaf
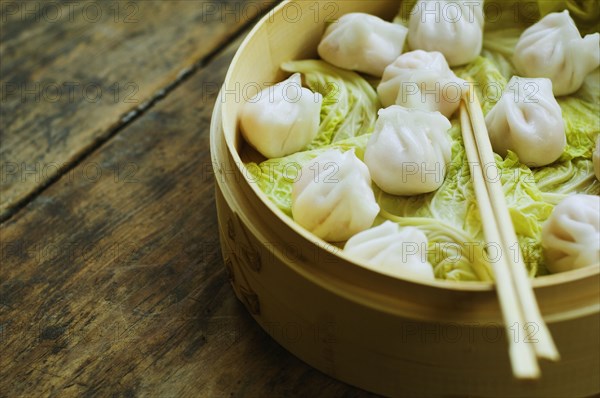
pixel 350 103
pixel 275 177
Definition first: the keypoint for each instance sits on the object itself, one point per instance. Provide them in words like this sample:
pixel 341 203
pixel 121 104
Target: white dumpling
pixel 422 80
pixel 596 159
pixel 332 196
pixel 409 150
pixel 528 121
pixel 392 250
pixel 454 28
pixel 282 119
pixel 554 48
pixel 362 42
pixel 571 236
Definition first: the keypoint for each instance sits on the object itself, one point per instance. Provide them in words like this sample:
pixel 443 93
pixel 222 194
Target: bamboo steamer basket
pixel 390 336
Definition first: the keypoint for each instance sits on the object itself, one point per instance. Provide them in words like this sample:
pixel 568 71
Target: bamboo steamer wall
pixel 390 336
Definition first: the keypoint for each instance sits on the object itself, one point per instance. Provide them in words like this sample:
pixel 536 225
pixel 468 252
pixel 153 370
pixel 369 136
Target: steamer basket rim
pixel 231 126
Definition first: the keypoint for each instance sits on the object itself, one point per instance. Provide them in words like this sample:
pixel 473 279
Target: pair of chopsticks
pixel 526 331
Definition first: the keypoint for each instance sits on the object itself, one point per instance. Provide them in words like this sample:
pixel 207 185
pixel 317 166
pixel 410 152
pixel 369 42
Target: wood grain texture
pixel 112 282
pixel 74 72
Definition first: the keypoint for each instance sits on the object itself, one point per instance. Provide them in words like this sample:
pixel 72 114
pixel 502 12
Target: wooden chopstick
pixel 539 335
pixel 522 355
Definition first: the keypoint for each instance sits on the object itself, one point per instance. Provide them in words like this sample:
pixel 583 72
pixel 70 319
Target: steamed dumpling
pixel 553 48
pixel 596 159
pixel 362 42
pixel 332 197
pixel 571 236
pixel 421 80
pixel 392 250
pixel 409 150
pixel 282 119
pixel 528 121
pixel 454 28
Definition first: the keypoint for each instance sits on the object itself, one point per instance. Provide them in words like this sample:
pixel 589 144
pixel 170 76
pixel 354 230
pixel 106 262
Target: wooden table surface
pixel 111 276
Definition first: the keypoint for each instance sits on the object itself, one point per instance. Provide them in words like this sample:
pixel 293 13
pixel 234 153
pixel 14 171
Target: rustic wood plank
pixel 73 72
pixel 112 282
